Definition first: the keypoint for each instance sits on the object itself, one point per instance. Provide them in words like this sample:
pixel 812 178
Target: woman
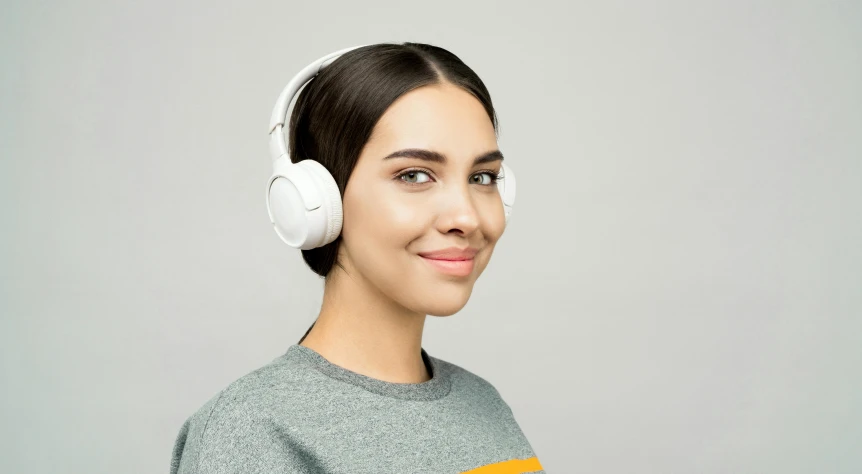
pixel 408 134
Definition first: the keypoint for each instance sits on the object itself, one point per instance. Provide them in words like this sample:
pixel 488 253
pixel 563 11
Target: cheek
pixel 381 219
pixel 493 219
pixel 400 215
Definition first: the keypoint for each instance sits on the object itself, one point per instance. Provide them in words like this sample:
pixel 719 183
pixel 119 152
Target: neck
pixel 364 331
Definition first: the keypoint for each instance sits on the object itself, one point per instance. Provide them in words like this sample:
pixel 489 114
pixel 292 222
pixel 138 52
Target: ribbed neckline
pixel 437 387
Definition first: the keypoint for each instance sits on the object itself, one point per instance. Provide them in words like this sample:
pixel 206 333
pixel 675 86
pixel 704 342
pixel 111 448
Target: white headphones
pixel 302 198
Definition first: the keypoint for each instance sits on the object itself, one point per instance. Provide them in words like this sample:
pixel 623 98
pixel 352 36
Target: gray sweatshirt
pixel 303 414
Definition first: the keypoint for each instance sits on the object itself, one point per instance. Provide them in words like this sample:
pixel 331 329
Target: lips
pixel 451 261
pixel 459 268
pixel 451 254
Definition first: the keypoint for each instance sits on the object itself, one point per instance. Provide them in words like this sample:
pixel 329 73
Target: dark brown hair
pixel 336 111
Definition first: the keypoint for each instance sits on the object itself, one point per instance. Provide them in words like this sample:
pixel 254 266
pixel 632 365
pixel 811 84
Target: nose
pixel 458 210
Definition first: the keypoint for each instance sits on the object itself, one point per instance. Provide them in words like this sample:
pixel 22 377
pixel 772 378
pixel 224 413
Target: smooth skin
pixel 372 317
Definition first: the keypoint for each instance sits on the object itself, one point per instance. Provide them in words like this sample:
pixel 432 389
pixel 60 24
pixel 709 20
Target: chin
pixel 440 304
pixel 443 312
pixel 431 293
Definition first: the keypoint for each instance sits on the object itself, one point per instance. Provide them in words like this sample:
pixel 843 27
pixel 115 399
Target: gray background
pixel 679 289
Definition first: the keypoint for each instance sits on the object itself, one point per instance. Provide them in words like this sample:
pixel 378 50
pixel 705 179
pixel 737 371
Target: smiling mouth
pixel 451 267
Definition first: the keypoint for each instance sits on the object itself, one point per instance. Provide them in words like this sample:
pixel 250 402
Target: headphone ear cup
pixel 506 186
pixel 287 209
pixel 304 205
pixel 332 217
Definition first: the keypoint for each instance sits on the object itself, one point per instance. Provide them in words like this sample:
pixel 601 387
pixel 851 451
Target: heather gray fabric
pixel 302 414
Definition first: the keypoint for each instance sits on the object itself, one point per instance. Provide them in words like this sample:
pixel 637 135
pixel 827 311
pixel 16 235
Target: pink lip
pixel 451 253
pixel 451 267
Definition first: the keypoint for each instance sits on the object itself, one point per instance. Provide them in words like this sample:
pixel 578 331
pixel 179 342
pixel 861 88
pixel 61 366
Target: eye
pixel 412 175
pixel 492 178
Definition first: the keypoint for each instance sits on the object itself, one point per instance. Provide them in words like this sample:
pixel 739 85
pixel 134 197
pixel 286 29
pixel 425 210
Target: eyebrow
pixel 433 156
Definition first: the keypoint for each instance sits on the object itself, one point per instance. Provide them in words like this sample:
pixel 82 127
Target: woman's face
pixel 399 207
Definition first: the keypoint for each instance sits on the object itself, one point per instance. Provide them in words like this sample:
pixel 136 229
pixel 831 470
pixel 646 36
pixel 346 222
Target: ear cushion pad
pixel 506 186
pixel 331 198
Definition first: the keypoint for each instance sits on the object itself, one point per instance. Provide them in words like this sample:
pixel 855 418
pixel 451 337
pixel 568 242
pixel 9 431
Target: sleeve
pixel 233 444
pixel 181 457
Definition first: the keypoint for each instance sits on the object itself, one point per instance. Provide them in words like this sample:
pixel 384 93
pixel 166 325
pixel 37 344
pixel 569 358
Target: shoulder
pixel 462 375
pixel 235 423
pixel 249 395
pixel 471 383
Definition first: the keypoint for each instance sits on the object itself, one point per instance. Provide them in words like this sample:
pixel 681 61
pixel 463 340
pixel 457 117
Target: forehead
pixel 441 117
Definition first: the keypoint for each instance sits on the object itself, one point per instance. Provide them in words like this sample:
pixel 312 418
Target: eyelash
pixel 495 177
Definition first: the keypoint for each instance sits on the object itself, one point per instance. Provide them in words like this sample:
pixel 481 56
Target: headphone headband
pixel 277 146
